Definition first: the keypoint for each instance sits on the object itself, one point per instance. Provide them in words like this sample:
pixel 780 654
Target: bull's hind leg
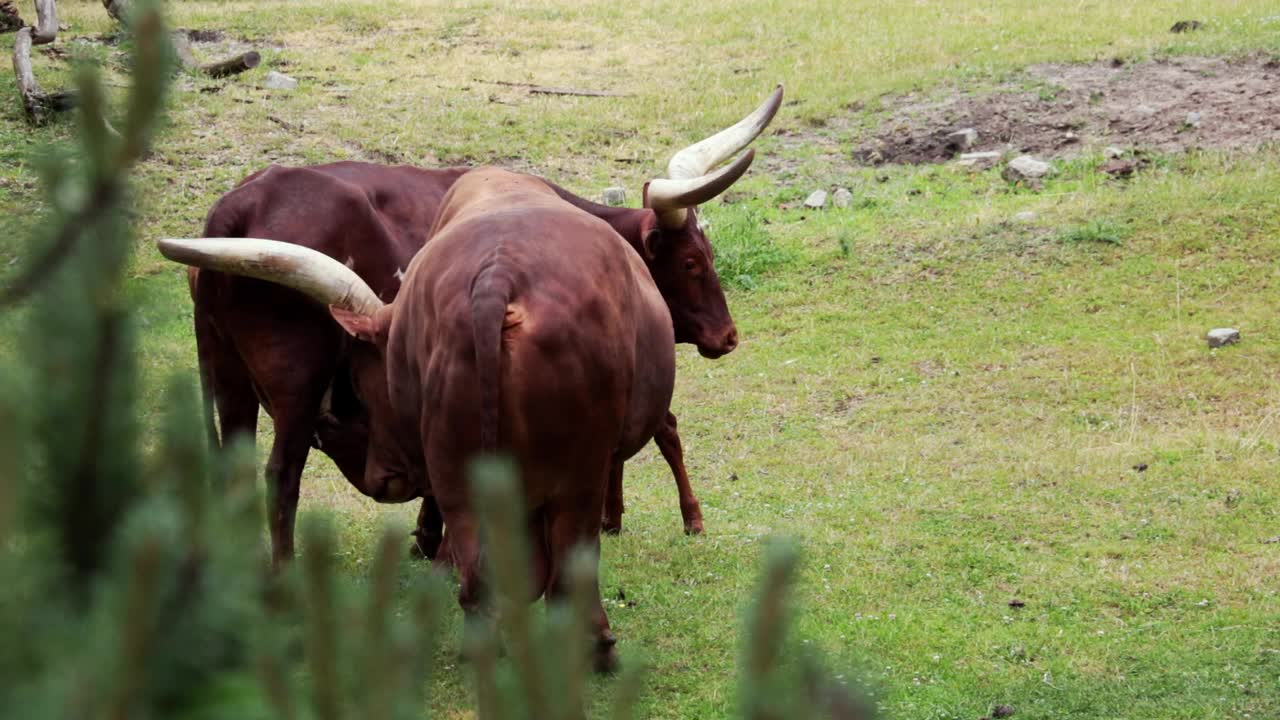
pixel 613 506
pixel 668 441
pixel 572 525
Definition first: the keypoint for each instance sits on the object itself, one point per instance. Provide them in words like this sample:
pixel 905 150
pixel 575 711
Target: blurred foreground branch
pixel 133 577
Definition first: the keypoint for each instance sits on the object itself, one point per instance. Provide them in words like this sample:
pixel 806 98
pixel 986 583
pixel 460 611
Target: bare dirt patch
pixel 1061 110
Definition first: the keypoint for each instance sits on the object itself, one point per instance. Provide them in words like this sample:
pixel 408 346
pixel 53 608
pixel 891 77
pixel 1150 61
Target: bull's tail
pixel 225 219
pixel 489 296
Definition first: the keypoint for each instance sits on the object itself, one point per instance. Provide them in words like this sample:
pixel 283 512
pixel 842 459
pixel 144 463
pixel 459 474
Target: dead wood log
pixel 46 29
pixel 232 66
pixel 37 103
pixel 9 18
pixel 223 68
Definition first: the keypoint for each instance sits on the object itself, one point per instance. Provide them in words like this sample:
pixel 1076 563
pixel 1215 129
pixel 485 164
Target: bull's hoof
pixel 611 527
pixel 692 516
pixel 606 659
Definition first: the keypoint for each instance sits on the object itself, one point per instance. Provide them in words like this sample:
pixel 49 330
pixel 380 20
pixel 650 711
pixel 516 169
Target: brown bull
pixel 263 343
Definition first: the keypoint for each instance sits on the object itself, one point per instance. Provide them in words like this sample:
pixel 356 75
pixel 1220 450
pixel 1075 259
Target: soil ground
pixel 1061 110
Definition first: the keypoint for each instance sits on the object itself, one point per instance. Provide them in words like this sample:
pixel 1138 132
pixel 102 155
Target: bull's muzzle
pixel 726 344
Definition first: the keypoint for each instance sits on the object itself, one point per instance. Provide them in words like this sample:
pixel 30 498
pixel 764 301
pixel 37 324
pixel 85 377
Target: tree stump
pixel 9 18
pixel 36 102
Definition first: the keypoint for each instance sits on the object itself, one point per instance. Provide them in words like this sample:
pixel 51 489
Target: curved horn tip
pixel 701 157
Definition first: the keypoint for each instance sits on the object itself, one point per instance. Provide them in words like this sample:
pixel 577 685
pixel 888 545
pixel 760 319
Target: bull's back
pixel 566 339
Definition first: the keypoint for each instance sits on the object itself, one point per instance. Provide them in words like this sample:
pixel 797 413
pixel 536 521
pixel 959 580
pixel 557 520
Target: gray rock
pixel 1146 110
pixel 842 198
pixel 816 200
pixel 1194 119
pixel 1026 216
pixel 1111 151
pixel 1025 167
pixel 962 139
pixel 614 196
pixel 1218 337
pixel 279 81
pixel 978 160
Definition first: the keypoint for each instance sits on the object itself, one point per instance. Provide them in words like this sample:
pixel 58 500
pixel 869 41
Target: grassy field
pixel 948 407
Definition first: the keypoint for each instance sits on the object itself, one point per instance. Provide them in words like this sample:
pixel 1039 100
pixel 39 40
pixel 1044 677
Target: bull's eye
pixel 690 264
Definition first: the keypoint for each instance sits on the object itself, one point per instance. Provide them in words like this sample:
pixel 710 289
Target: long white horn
pixel 312 273
pixel 669 198
pixel 700 157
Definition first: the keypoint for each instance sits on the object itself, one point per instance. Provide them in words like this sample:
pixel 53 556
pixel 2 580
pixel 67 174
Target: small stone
pixel 816 200
pixel 1026 167
pixel 1111 151
pixel 1016 603
pixel 1119 167
pixel 1146 110
pixel 1220 337
pixel 1026 216
pixel 962 139
pixel 279 81
pixel 1183 26
pixel 978 160
pixel 842 198
pixel 1001 711
pixel 614 196
pixel 1194 119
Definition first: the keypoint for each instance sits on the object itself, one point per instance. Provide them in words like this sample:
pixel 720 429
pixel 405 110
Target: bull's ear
pixel 650 237
pixel 361 327
pixel 652 243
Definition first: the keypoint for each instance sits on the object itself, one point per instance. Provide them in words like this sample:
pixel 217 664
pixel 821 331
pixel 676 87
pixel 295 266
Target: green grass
pixel 943 403
pixel 1095 231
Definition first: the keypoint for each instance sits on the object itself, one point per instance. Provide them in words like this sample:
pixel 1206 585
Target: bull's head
pixel 387 476
pixel 677 251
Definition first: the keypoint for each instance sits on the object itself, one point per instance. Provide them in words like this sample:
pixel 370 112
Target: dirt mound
pixel 1061 110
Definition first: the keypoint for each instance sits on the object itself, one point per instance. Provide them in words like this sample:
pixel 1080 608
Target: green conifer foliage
pixel 136 584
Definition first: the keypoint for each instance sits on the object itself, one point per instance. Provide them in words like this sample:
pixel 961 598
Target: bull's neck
pixel 627 222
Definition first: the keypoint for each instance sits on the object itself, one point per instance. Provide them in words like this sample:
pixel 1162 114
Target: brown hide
pixel 527 327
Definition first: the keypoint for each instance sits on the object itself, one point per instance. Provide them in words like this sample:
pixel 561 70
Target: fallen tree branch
pixel 46 29
pixel 548 90
pixel 37 103
pixel 230 66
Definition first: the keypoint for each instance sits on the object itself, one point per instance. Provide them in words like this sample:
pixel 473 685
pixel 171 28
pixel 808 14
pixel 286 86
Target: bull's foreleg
pixel 430 531
pixel 613 506
pixel 668 441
